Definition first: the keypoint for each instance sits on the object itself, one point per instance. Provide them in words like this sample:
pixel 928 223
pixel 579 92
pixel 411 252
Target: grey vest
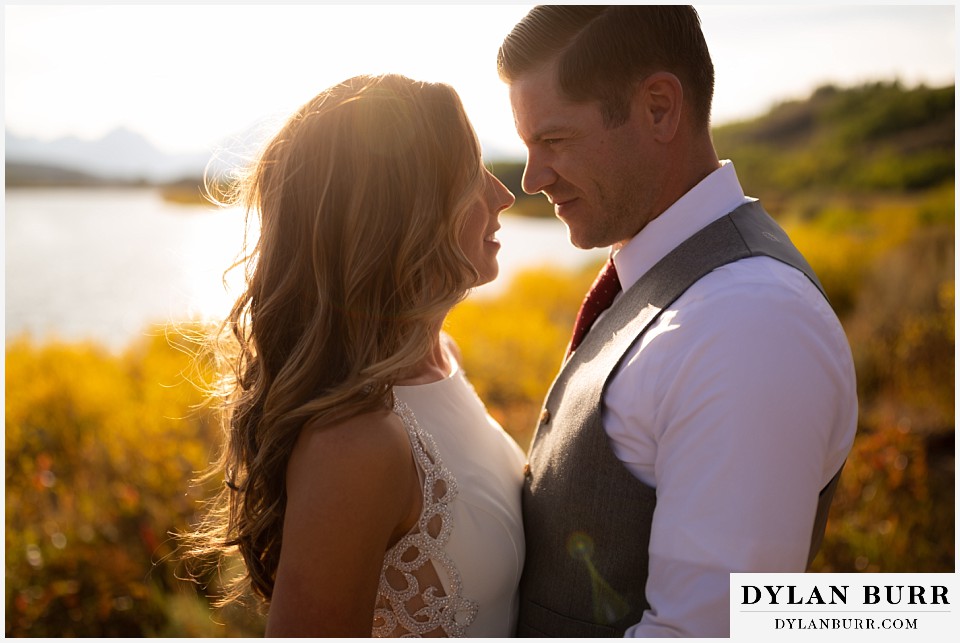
pixel 586 517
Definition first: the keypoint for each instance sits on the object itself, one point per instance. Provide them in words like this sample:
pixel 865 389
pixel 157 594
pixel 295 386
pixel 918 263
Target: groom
pixel 698 428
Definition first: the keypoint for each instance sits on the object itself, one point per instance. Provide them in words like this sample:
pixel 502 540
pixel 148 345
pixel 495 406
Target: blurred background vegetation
pixel 101 447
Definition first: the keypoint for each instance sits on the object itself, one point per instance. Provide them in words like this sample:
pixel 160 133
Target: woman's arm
pixel 352 492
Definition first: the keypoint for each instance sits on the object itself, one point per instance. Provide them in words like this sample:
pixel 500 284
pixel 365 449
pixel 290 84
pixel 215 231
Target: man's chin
pixel 582 241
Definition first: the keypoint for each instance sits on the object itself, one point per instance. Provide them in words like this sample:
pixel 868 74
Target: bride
pixel 366 487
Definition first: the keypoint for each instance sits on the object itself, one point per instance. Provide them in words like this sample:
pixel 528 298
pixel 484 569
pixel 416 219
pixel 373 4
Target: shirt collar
pixel 716 195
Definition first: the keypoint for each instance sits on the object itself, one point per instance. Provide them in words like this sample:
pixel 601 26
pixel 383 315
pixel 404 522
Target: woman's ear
pixel 659 97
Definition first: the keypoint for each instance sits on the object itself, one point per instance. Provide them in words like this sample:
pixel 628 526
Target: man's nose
pixel 537 174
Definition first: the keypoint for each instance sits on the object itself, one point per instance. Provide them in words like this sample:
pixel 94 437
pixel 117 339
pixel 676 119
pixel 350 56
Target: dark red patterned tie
pixel 598 299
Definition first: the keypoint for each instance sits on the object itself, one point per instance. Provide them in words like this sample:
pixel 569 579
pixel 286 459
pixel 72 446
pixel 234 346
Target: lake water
pixel 105 264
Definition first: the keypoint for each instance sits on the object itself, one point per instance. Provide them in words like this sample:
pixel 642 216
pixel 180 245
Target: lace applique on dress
pixel 411 602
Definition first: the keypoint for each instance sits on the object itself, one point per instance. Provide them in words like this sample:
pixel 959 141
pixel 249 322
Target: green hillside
pixel 876 137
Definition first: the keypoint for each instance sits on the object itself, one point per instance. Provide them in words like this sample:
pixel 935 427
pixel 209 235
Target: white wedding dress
pixel 456 573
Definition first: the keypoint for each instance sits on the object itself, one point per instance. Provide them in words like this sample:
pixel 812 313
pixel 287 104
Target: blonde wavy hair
pixel 361 199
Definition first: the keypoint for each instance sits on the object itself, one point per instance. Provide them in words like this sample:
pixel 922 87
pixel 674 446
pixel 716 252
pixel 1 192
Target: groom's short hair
pixel 604 51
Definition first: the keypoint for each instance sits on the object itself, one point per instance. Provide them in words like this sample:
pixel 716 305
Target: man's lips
pixel 560 204
pixel 559 201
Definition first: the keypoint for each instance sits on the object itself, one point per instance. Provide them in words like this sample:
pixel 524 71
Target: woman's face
pixel 478 239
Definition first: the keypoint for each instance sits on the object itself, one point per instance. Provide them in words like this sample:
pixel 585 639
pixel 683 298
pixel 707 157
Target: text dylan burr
pixel 837 595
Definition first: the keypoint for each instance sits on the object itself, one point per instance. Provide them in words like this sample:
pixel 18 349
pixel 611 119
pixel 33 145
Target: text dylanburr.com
pixel 847 607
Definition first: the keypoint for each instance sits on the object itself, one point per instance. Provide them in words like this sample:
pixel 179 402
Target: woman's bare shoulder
pixel 352 477
pixel 374 442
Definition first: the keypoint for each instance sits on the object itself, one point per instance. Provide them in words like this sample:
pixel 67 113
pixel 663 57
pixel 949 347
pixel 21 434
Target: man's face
pixel 603 183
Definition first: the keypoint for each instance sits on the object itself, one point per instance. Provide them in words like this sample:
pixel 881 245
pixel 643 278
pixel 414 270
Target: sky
pixel 188 77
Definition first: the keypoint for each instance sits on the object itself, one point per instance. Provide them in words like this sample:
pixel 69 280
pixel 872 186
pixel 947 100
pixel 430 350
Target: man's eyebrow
pixel 549 131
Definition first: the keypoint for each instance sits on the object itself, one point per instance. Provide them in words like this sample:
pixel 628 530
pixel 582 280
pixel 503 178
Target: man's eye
pixel 552 141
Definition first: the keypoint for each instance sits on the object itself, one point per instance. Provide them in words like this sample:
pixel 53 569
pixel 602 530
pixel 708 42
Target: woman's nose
pixel 505 196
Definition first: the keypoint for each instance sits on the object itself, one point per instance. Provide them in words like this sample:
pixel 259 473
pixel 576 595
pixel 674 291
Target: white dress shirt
pixel 738 406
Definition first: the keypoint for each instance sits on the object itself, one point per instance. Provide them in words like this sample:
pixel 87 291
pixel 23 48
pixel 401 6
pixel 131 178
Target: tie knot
pixel 607 279
pixel 600 296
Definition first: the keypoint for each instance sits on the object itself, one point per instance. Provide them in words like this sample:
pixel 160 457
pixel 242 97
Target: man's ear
pixel 659 96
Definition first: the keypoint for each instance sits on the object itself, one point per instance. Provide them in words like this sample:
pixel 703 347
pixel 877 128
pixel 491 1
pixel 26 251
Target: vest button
pixel 526 470
pixel 545 416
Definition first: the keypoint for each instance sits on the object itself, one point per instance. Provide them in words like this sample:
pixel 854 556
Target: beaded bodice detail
pixel 411 599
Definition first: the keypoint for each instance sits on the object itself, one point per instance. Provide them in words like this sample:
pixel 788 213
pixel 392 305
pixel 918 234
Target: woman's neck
pixel 437 366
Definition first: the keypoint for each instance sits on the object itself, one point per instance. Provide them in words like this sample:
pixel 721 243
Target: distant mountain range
pixel 122 156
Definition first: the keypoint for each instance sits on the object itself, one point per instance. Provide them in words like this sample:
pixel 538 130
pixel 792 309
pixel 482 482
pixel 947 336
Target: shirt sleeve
pixel 738 407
